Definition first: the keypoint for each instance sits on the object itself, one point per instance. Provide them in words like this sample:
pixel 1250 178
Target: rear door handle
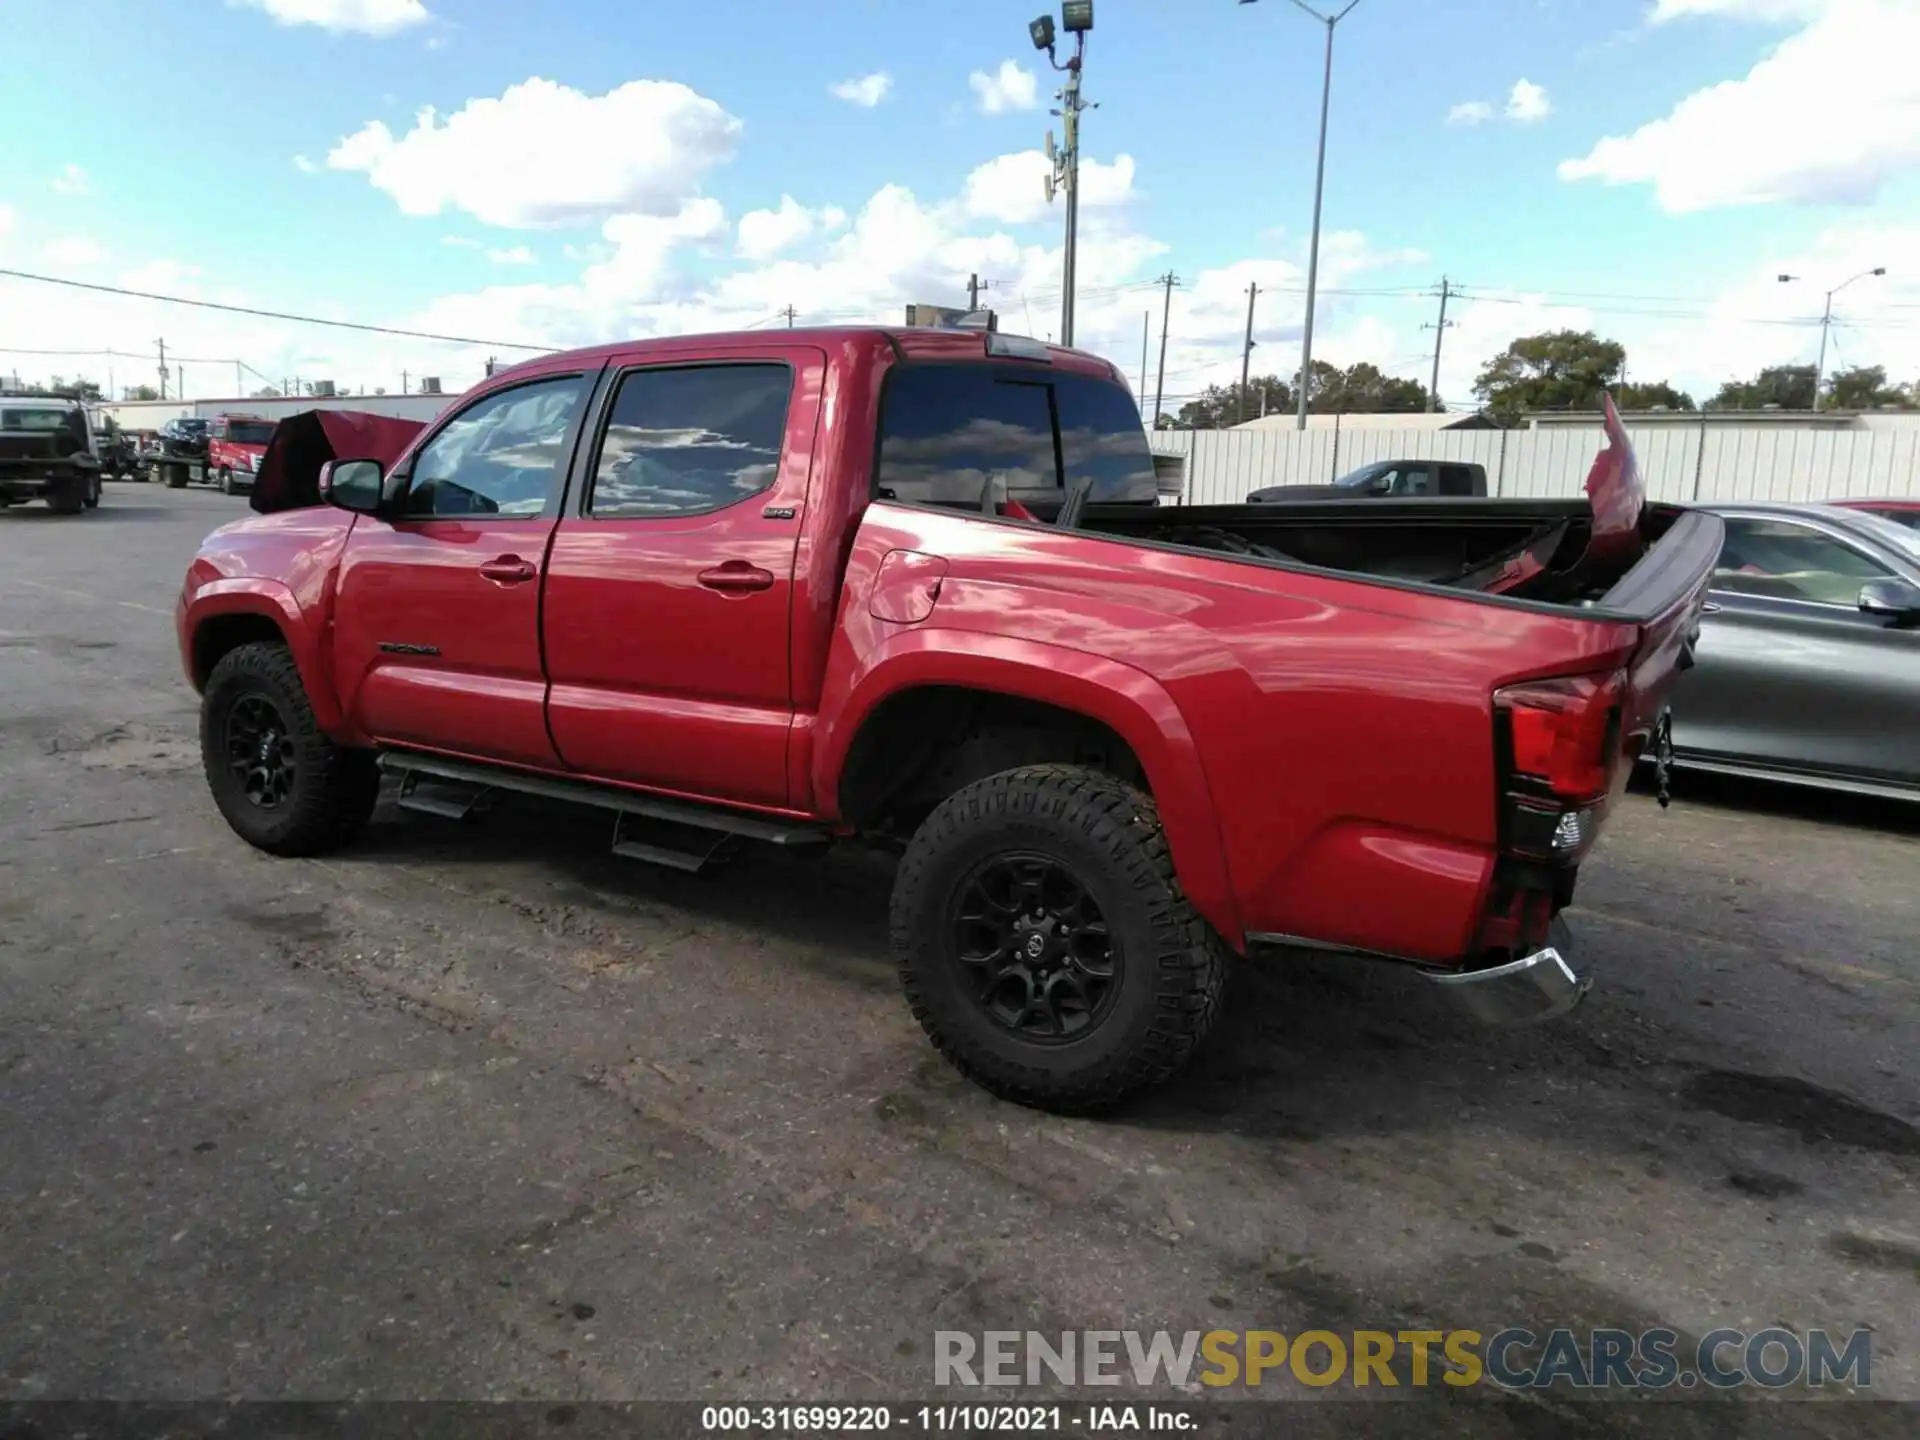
pixel 736 577
pixel 508 570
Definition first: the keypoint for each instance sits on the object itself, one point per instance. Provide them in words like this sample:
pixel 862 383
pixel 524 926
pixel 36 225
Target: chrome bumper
pixel 1534 987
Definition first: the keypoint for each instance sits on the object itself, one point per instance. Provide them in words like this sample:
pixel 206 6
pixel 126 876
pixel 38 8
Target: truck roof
pixel 908 341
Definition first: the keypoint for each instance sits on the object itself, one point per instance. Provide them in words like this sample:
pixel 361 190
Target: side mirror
pixel 352 485
pixel 1893 600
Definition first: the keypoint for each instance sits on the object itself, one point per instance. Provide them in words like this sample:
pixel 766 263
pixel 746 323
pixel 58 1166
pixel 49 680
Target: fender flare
pixel 1127 700
pixel 275 601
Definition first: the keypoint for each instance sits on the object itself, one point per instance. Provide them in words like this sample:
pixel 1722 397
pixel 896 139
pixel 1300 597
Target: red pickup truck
pixel 914 584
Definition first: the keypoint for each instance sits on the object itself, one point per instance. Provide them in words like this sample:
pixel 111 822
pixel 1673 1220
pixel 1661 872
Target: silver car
pixel 1808 666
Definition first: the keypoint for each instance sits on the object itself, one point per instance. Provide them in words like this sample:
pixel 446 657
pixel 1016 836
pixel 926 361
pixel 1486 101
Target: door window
pixel 501 456
pixel 1783 560
pixel 688 440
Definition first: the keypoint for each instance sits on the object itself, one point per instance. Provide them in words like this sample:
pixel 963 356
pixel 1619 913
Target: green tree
pixel 1864 387
pixel 1219 406
pixel 1652 396
pixel 139 392
pixel 1788 386
pixel 1362 389
pixel 1558 370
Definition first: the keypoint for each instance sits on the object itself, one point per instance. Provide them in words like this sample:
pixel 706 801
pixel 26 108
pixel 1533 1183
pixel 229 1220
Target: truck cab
pixel 236 444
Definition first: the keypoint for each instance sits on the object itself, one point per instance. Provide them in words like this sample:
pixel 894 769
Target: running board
pixel 679 833
pixel 437 797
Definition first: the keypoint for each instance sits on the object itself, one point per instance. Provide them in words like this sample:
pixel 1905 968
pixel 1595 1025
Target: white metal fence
pixel 1683 463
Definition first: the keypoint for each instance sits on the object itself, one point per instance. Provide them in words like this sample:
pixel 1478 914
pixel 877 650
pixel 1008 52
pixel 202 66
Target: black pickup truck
pixel 1387 477
pixel 47 453
pixel 181 455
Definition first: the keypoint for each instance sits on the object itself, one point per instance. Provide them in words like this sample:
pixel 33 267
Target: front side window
pixel 947 431
pixel 688 440
pixel 502 455
pixel 1786 561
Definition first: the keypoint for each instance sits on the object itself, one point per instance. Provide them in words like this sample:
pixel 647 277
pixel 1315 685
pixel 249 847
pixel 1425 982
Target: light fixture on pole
pixel 1826 324
pixel 1076 18
pixel 1319 178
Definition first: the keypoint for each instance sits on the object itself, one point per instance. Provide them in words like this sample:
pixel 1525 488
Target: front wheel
pixel 93 493
pixel 1044 942
pixel 282 785
pixel 226 481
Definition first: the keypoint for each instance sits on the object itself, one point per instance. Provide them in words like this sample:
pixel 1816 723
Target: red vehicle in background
pixel 236 444
pixel 1901 510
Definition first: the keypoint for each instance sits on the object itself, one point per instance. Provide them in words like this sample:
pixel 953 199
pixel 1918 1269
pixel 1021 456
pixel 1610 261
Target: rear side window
pixel 947 430
pixel 1456 480
pixel 685 440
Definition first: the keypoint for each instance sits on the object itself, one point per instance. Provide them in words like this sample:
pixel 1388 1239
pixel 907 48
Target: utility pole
pixel 1246 351
pixel 163 368
pixel 789 313
pixel 1065 175
pixel 1169 280
pixel 1826 324
pixel 1439 333
pixel 1146 323
pixel 405 377
pixel 239 385
pixel 974 286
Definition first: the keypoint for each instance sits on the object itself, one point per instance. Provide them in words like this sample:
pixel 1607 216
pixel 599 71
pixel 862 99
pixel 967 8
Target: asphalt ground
pixel 482 1112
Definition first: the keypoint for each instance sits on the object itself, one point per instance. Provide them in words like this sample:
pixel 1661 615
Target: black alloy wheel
pixel 261 751
pixel 1033 947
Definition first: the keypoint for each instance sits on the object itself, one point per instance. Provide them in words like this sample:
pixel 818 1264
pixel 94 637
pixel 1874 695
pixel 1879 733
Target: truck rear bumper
pixel 1550 981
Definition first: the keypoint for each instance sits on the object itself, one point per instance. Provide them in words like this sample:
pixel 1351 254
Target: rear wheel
pixel 68 496
pixel 176 477
pixel 282 785
pixel 93 492
pixel 1044 942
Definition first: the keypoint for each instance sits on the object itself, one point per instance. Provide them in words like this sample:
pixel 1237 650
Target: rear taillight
pixel 1559 743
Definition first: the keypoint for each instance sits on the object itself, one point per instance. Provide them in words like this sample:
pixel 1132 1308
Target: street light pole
pixel 1319 186
pixel 1826 324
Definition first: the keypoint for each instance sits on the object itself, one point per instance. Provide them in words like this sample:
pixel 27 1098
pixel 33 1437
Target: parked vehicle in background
pixel 1387 478
pixel 180 453
pixel 235 446
pixel 1900 510
pixel 914 584
pixel 47 453
pixel 119 454
pixel 1808 668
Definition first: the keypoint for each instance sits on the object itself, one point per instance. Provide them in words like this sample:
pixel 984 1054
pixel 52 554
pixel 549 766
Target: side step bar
pixel 677 833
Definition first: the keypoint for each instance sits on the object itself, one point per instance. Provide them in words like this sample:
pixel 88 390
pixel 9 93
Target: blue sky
pixel 1641 166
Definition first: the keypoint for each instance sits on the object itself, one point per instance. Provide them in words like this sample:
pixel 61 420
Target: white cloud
pixel 865 91
pixel 1470 112
pixel 363 17
pixel 6 219
pixel 765 233
pixel 1762 139
pixel 517 255
pixel 73 250
pixel 72 180
pixel 1528 103
pixel 1009 88
pixel 1764 11
pixel 543 154
pixel 1012 188
pixel 460 242
pixel 304 165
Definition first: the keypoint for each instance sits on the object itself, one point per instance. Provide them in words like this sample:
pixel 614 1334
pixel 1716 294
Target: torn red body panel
pixel 289 476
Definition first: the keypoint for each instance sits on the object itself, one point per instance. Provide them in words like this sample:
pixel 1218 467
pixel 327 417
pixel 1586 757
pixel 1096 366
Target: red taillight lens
pixel 1562 733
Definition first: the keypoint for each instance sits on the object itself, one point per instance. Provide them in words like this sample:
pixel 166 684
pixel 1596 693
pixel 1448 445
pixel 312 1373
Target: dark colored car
pixel 1808 668
pixel 1394 478
pixel 1900 511
pixel 181 454
pixel 47 453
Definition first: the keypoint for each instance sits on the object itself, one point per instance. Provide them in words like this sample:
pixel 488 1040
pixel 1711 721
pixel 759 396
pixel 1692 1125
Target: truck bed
pixel 1457 545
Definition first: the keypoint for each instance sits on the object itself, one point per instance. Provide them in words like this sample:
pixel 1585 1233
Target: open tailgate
pixel 1663 593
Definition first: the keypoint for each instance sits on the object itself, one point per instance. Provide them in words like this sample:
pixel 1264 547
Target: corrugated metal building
pixel 148 415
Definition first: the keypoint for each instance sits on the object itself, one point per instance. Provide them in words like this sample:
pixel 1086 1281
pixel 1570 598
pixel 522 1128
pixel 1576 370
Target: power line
pixel 275 314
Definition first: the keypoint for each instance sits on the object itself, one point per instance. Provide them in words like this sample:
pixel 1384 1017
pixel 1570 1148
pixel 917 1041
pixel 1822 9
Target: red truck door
pixel 669 586
pixel 437 621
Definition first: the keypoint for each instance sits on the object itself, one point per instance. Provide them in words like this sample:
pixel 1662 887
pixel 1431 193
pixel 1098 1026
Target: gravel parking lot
pixel 483 1112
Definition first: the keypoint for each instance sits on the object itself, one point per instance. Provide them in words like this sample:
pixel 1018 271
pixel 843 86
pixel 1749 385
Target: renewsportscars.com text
pixel 1514 1357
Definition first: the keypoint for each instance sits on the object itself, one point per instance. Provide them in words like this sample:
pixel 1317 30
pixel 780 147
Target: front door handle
pixel 508 570
pixel 736 577
pixel 1709 608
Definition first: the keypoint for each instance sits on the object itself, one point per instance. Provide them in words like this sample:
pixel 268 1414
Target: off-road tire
pixel 1172 965
pixel 334 789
